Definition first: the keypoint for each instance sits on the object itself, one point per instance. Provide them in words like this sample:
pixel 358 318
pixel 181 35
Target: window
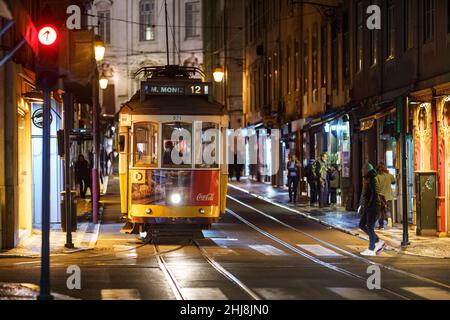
pixel 288 69
pixel 374 42
pixel 374 47
pixel 429 16
pixel 324 38
pixel 391 32
pixel 448 16
pixel 180 132
pixel 335 54
pixel 104 25
pixel 296 66
pixel 315 59
pixel 409 35
pixel 145 144
pixel 147 20
pixel 192 19
pixel 207 157
pixel 306 65
pixel 346 45
pixel 359 36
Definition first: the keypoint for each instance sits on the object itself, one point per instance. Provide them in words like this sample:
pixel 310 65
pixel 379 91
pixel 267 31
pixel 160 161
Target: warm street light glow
pixel 103 82
pixel 218 74
pixel 99 49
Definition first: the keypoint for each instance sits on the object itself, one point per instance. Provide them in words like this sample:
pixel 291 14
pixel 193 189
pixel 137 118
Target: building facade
pixel 135 36
pixel 317 72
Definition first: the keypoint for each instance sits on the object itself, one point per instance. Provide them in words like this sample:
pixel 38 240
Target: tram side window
pixel 177 136
pixel 207 156
pixel 145 144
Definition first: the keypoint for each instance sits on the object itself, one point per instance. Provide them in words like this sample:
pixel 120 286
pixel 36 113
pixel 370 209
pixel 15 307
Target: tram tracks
pixel 328 244
pixel 178 290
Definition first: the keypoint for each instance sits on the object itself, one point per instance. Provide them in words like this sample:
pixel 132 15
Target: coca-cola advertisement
pixel 171 188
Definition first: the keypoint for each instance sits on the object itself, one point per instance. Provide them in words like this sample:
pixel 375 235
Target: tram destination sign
pixel 176 89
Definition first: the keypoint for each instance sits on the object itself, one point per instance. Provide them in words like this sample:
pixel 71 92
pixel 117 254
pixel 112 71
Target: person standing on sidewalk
pixel 293 169
pixel 321 172
pixel 334 183
pixel 370 210
pixel 312 181
pixel 385 181
pixel 82 175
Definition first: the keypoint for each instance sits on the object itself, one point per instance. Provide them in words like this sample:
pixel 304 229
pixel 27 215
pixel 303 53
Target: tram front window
pixel 176 137
pixel 207 155
pixel 145 144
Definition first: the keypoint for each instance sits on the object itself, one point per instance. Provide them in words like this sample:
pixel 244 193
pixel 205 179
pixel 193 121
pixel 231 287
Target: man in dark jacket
pixel 370 210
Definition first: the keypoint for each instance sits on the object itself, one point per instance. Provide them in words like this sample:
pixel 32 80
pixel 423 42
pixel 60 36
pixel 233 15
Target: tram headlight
pixel 175 198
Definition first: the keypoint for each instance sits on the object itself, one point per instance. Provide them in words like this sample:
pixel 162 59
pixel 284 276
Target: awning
pixel 368 122
pixel 328 117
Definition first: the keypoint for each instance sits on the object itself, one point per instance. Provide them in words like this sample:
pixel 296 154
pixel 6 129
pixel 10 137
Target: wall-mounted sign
pixel 38 118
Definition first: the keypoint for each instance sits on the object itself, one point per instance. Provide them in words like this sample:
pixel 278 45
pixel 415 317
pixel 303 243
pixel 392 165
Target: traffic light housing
pixel 47 62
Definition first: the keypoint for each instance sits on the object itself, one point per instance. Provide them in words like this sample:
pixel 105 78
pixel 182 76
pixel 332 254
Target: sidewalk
pixel 83 239
pixel 348 222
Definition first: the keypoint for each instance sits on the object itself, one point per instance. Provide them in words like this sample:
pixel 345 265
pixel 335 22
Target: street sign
pixel 37 118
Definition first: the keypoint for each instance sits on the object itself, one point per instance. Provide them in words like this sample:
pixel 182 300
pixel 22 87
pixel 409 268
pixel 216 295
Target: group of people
pixel 324 182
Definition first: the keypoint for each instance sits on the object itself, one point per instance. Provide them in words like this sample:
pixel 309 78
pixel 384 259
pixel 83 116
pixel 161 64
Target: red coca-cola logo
pixel 205 197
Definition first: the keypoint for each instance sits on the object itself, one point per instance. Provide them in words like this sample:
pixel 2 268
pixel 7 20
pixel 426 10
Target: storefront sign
pixel 38 118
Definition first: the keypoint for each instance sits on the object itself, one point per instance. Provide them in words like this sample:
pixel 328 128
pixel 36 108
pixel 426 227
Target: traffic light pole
pixel 67 180
pixel 95 183
pixel 45 251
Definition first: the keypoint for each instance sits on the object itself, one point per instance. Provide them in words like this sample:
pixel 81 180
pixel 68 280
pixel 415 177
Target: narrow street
pixel 257 251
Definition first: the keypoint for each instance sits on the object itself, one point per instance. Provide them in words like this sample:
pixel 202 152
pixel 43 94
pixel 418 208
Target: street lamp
pixel 218 74
pixel 103 82
pixel 99 47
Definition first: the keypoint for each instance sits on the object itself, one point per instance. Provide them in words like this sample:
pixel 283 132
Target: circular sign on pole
pixel 47 35
pixel 37 118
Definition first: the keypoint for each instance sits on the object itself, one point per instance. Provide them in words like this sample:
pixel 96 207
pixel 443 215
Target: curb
pixel 329 225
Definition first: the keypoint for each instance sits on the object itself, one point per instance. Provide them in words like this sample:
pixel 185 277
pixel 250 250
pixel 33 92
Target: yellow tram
pixel 165 178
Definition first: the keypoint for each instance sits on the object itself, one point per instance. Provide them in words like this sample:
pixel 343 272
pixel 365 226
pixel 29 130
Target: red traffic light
pixel 47 35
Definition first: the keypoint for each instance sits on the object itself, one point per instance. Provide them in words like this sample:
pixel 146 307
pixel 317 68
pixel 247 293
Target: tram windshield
pixel 177 145
pixel 207 155
pixel 145 144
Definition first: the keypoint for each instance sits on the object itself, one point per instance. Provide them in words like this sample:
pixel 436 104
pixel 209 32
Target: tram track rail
pixel 325 243
pixel 177 289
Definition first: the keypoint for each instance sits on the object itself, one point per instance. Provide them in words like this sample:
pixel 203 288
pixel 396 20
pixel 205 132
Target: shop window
pixel 145 144
pixel 176 136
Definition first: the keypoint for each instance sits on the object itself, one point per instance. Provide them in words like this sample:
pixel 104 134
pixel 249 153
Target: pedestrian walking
pixel 82 175
pixel 385 181
pixel 312 182
pixel 370 210
pixel 321 173
pixel 334 181
pixel 293 168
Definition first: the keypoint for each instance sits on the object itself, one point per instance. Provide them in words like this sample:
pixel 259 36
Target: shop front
pixel 431 119
pixel 381 144
pixel 331 135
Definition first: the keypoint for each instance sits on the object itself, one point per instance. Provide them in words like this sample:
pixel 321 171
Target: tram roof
pixel 172 105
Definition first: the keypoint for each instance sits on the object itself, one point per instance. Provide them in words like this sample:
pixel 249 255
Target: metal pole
pixel 403 120
pixel 95 184
pixel 167 33
pixel 45 251
pixel 67 180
